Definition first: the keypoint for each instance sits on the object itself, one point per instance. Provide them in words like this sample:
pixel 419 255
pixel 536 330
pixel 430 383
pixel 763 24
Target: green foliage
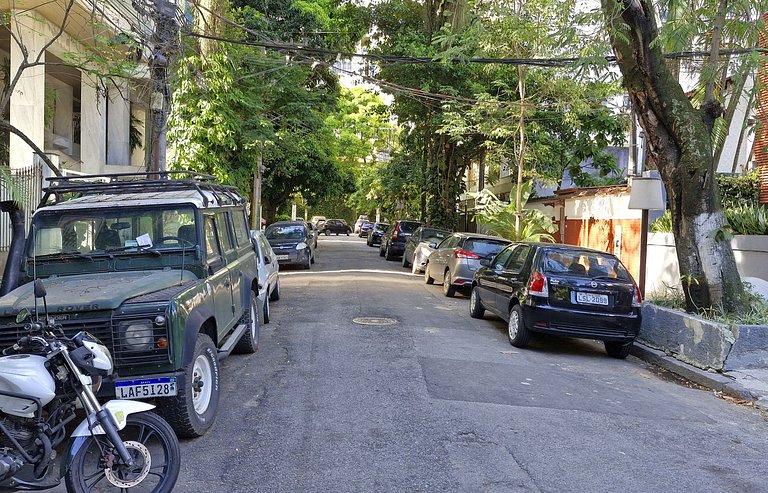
pixel 738 190
pixel 755 313
pixel 747 220
pixel 500 217
pixel 663 224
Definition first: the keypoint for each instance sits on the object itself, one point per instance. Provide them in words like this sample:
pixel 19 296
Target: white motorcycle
pixel 46 379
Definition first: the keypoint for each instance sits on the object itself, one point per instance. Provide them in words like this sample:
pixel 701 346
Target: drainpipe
pixel 16 251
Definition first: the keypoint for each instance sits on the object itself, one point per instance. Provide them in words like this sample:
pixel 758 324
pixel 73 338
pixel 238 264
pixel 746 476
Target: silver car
pixel 420 245
pixel 269 277
pixel 456 258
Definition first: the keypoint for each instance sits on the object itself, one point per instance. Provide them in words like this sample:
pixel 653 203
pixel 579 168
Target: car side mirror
pixel 39 289
pixel 267 260
pixel 432 245
pixel 485 262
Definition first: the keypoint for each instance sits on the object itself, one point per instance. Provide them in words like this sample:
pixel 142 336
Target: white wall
pixel 662 269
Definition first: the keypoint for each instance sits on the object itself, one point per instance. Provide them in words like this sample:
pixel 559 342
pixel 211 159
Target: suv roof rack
pixel 150 181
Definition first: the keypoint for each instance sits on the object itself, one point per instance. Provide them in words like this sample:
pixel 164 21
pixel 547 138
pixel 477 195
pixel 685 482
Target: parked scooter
pixel 45 378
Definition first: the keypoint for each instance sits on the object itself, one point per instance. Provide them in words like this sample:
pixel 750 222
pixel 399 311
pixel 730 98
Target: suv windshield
pixel 584 264
pixel 289 232
pixel 100 230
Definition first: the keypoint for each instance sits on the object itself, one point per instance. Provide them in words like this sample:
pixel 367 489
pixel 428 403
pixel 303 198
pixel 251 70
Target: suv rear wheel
pixel 192 411
pixel 388 254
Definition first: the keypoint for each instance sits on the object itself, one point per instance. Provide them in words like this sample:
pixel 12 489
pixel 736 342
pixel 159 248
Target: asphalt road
pixel 441 402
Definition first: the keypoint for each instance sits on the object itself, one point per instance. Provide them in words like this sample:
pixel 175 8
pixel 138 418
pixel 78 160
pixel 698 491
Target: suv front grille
pixel 106 332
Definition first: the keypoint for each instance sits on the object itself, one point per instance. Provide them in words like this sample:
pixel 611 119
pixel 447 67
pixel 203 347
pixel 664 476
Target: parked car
pixel 314 232
pixel 457 258
pixel 163 271
pixel 560 289
pixel 365 228
pixel 420 245
pixel 377 231
pixel 393 242
pixel 316 220
pixel 269 277
pixel 360 220
pixel 337 226
pixel 292 243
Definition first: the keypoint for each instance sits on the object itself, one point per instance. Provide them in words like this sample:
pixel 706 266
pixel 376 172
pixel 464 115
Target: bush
pixel 742 220
pixel 739 190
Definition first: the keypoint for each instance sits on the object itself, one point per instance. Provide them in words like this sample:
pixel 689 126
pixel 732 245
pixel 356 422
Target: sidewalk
pixel 747 384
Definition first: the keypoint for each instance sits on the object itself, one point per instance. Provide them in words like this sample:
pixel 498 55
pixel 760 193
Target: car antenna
pixel 34 268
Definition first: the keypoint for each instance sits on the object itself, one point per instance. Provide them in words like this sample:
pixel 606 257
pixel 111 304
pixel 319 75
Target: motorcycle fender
pixel 118 408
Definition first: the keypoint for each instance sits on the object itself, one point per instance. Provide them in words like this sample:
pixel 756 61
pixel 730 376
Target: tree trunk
pixel 679 144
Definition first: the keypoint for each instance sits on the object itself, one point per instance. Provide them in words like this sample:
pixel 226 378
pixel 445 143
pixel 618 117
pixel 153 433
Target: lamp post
pixel 645 193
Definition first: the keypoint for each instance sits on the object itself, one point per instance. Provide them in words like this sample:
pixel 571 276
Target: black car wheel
pixel 192 411
pixel 518 333
pixel 388 254
pixel 427 278
pixel 476 308
pixel 381 249
pixel 617 350
pixel 327 233
pixel 275 294
pixel 448 289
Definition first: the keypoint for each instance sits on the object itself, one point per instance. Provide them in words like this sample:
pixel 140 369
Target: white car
pixel 360 220
pixel 269 278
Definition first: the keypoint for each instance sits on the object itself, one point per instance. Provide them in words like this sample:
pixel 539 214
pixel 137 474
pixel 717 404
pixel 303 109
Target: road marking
pixel 348 271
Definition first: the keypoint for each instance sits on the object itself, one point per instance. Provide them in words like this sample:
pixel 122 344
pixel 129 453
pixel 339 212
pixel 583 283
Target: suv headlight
pixel 136 335
pixel 301 246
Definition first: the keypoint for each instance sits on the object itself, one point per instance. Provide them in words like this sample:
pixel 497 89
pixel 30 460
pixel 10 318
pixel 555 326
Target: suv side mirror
pixel 432 245
pixel 485 262
pixel 40 291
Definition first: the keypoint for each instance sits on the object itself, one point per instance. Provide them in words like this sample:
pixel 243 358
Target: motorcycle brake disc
pixel 131 477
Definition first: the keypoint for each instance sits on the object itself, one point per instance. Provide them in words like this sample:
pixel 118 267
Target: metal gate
pixel 25 185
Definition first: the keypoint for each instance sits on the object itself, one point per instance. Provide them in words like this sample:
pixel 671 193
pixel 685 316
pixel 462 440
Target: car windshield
pixel 100 230
pixel 380 227
pixel 585 264
pixel 483 247
pixel 285 232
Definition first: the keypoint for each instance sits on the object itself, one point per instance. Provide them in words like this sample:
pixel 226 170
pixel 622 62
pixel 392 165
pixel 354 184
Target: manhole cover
pixel 374 321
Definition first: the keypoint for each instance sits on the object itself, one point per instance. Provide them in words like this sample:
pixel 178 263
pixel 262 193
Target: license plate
pixel 145 389
pixel 591 298
pixel 283 257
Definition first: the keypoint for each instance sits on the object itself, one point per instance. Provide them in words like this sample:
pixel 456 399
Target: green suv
pixel 162 270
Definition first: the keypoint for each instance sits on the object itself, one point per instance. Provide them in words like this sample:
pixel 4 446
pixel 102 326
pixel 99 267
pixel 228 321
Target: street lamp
pixel 645 193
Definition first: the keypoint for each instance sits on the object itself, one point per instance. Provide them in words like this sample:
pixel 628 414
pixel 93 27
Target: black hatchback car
pixel 393 241
pixel 377 231
pixel 559 289
pixel 338 226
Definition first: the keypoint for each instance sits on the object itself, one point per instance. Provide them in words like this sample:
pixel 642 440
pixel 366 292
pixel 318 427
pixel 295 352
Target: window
pixel 501 259
pixel 212 241
pixel 225 232
pixel 100 229
pixel 516 261
pixel 242 233
pixel 449 242
pixel 483 247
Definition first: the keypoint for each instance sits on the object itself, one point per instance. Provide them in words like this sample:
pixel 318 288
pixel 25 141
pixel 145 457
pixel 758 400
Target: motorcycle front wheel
pixel 156 460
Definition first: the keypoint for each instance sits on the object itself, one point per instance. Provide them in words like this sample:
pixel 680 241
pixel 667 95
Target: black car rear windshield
pixel 409 226
pixel 585 264
pixel 287 232
pixel 484 247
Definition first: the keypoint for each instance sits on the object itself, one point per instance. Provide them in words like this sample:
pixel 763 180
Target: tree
pixel 679 140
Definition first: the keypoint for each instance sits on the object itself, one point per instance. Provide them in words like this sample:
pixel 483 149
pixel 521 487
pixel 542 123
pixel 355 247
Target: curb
pixel 715 381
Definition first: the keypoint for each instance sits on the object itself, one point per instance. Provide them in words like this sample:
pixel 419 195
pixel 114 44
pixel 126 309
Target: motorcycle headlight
pixel 137 335
pixel 301 246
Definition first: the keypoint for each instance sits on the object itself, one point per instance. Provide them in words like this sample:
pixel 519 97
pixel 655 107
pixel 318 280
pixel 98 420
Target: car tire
pixel 448 289
pixel 414 267
pixel 406 264
pixel 427 278
pixel 249 341
pixel 312 259
pixel 388 254
pixel 381 250
pixel 618 350
pixel 188 414
pixel 476 308
pixel 517 332
pixel 265 315
pixel 274 295
pixel 308 264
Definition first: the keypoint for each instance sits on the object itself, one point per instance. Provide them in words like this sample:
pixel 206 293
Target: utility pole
pixel 163 48
pixel 256 194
